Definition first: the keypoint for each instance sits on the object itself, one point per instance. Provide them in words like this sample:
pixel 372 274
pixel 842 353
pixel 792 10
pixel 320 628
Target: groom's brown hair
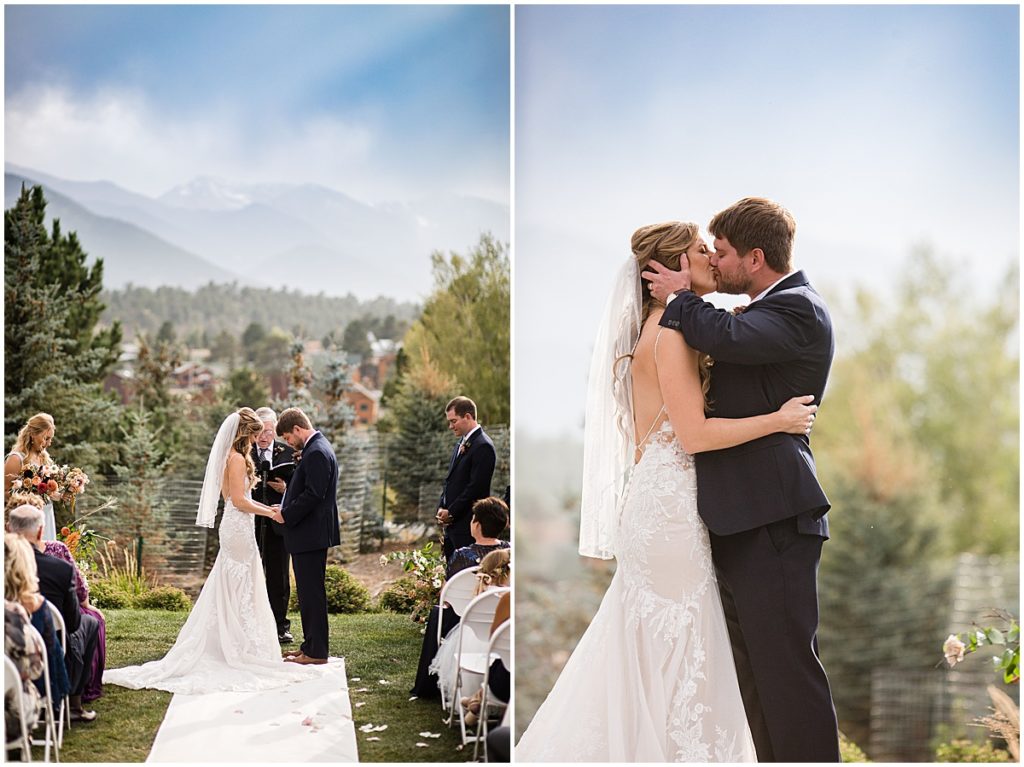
pixel 291 418
pixel 756 222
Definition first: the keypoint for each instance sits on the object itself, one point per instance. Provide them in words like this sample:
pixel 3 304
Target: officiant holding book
pixel 275 464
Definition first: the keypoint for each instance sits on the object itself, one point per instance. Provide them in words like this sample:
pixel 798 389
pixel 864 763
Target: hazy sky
pixel 380 102
pixel 879 127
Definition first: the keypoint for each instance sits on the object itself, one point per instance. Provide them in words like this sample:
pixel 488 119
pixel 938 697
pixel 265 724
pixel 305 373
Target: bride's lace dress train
pixel 652 679
pixel 229 641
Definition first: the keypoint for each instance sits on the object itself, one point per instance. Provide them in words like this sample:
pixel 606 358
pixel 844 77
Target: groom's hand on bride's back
pixel 663 281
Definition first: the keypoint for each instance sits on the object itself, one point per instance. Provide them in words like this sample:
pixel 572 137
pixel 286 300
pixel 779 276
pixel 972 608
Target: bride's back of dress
pixel 648 403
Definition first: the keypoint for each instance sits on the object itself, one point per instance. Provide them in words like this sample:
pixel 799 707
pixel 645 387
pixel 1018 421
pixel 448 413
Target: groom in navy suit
pixel 309 512
pixel 761 501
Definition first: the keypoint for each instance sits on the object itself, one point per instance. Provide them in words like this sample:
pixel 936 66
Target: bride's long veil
pixel 609 440
pixel 214 478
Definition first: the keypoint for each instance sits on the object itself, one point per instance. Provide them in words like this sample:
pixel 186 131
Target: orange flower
pixel 65 531
pixel 52 485
pixel 72 541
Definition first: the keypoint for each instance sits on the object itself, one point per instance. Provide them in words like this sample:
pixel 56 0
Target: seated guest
pixel 22 599
pixel 493 573
pixel 57 584
pixel 60 550
pixel 500 679
pixel 489 520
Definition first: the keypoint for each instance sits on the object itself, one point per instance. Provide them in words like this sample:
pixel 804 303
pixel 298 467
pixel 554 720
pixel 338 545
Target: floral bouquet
pixel 52 481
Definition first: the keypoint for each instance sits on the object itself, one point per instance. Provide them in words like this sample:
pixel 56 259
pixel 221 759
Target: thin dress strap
pixel 657 418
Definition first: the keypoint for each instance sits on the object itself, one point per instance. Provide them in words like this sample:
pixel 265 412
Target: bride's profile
pixel 652 678
pixel 229 641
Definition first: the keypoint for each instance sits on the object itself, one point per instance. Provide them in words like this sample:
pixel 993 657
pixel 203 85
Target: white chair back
pixel 477 620
pixel 457 592
pixel 58 622
pixel 49 722
pixel 12 687
pixel 63 706
pixel 501 644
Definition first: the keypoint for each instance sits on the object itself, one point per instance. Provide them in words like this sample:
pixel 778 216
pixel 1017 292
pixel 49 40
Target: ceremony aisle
pixel 380 651
pixel 307 721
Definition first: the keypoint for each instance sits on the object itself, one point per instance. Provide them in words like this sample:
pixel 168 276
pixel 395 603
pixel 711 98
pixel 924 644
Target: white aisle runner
pixel 307 721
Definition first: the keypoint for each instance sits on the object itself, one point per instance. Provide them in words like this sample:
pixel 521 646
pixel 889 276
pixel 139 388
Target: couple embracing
pixel 698 478
pixel 230 640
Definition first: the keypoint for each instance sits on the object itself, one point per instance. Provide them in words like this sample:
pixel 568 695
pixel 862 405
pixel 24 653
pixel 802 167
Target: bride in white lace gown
pixel 229 641
pixel 652 679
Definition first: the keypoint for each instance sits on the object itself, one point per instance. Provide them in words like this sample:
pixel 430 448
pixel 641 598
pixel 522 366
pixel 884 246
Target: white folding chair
pixel 49 722
pixel 472 657
pixel 501 649
pixel 457 592
pixel 12 686
pixel 64 706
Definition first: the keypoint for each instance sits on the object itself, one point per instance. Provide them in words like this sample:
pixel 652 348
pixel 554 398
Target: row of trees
pixel 213 308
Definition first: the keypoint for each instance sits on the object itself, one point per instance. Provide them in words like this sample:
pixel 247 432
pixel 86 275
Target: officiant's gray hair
pixel 25 520
pixel 266 414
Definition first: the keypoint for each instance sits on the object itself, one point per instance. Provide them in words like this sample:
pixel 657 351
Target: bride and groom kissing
pixel 230 639
pixel 699 480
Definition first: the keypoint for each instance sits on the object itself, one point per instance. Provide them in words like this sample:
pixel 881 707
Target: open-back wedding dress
pixel 229 642
pixel 652 679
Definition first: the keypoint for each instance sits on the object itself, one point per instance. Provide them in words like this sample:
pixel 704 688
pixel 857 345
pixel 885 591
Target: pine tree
pixel 418 441
pixel 55 359
pixel 337 413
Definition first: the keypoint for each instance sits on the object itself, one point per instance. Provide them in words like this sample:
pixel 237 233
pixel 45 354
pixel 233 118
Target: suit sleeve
pixel 70 610
pixel 479 485
pixel 779 329
pixel 316 478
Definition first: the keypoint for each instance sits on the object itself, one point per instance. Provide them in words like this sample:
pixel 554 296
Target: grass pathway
pixel 379 646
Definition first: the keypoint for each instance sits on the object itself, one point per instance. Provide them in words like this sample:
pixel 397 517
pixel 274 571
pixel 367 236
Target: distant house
pixel 195 381
pixel 365 402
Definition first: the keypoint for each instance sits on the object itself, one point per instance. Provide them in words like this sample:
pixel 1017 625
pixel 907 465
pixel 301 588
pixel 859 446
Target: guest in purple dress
pixel 99 660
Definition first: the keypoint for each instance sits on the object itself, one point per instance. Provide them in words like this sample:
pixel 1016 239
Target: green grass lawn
pixel 375 646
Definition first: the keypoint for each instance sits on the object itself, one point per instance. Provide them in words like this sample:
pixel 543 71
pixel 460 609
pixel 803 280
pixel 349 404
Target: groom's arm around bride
pixel 309 512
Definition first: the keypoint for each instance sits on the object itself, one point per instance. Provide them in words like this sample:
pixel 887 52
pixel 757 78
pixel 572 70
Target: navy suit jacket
pixel 310 505
pixel 469 479
pixel 57 584
pixel 780 347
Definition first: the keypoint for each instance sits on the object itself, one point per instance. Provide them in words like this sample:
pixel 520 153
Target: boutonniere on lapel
pixel 463 448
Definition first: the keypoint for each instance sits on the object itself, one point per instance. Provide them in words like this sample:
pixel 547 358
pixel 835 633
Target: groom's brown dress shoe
pixel 305 660
pixel 291 653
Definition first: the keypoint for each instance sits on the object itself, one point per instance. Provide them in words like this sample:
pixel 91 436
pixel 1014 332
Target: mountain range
pixel 302 236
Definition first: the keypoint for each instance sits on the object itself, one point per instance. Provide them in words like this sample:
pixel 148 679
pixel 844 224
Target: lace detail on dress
pixel 652 679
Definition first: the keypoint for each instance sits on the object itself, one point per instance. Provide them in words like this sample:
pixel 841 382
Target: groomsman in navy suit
pixel 309 512
pixel 469 474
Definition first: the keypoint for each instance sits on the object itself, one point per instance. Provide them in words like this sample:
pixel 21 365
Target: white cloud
pixel 118 135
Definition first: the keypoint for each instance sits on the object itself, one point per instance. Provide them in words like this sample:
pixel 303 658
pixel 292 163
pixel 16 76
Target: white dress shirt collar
pixel 474 431
pixel 769 289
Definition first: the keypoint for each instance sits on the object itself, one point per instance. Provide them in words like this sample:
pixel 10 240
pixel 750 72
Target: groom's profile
pixel 309 512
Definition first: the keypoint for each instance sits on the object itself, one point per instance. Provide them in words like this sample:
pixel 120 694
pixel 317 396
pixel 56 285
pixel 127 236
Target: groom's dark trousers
pixel 310 511
pixel 766 512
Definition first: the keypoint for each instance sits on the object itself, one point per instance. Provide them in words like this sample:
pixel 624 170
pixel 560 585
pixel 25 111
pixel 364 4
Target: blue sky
pixel 879 127
pixel 382 102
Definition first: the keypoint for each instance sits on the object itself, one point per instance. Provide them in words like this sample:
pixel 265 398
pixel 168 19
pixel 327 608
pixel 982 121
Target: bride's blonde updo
pixel 665 243
pixel 249 427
